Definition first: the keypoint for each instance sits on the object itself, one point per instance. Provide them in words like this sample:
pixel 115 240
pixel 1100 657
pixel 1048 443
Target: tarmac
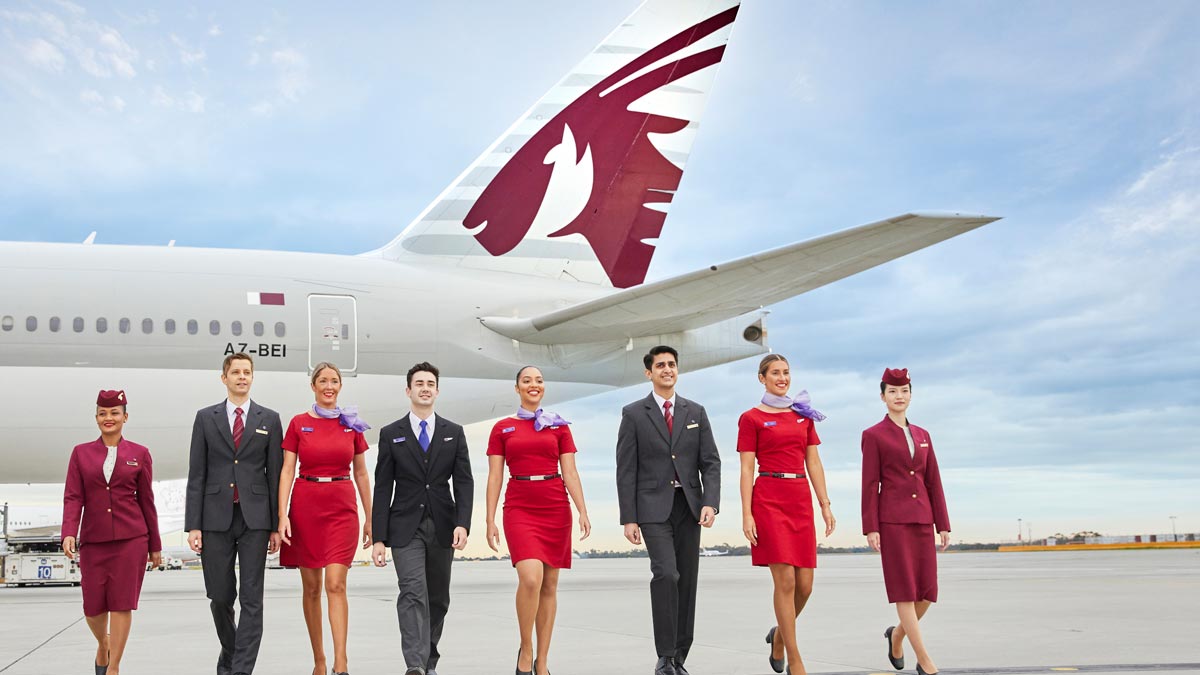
pixel 1006 613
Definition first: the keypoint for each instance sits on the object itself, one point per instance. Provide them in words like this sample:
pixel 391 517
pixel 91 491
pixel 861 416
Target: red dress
pixel 782 507
pixel 324 516
pixel 537 515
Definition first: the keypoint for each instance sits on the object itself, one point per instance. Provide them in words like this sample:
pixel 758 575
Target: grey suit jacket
pixel 410 482
pixel 215 467
pixel 648 459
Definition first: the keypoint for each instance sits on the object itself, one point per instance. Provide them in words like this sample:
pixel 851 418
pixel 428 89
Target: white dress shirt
pixel 110 462
pixel 662 400
pixel 229 412
pixel 415 422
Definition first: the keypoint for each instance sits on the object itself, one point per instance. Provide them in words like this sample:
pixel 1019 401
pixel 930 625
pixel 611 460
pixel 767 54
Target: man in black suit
pixel 232 495
pixel 420 455
pixel 668 486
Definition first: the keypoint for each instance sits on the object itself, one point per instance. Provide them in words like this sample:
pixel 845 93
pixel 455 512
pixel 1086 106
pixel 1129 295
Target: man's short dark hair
pixel 648 359
pixel 240 356
pixel 426 367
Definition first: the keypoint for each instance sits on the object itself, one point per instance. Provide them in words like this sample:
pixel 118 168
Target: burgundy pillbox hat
pixel 897 377
pixel 111 398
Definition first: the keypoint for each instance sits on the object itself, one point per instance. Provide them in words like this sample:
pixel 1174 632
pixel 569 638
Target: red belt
pixel 777 474
pixel 545 477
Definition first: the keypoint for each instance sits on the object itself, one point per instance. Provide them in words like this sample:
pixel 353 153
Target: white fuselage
pixel 171 314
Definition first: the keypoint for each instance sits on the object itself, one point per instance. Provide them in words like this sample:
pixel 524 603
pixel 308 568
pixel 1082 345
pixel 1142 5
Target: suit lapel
pixel 656 418
pixel 222 422
pixel 680 422
pixel 410 441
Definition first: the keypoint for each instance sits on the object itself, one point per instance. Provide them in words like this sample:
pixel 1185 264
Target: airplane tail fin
pixel 578 187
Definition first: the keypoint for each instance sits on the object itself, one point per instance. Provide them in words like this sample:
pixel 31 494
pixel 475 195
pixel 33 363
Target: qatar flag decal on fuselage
pixel 592 169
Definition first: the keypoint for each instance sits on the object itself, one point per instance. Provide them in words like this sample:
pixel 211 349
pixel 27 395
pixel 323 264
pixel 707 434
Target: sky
pixel 1053 353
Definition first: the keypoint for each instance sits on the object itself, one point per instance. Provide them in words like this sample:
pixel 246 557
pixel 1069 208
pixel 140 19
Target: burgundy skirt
pixel 111 574
pixel 909 555
pixel 537 522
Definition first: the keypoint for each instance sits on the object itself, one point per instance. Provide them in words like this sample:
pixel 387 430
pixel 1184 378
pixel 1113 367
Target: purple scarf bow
pixel 541 418
pixel 348 416
pixel 800 404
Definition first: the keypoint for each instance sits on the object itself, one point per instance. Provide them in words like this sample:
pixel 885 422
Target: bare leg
pixel 898 634
pixel 339 613
pixel 909 621
pixel 99 627
pixel 784 578
pixel 118 626
pixel 547 609
pixel 311 579
pixel 529 588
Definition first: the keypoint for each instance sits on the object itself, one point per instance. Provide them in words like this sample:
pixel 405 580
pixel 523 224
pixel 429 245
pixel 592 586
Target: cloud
pixel 97 101
pixel 188 56
pixel 45 55
pixel 97 49
pixel 214 30
pixel 292 69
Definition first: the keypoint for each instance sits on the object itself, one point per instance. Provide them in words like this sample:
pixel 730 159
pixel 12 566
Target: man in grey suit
pixel 232 490
pixel 668 486
pixel 414 514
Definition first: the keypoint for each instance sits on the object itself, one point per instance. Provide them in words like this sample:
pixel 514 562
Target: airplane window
pixel 31 323
pixel 55 324
pixel 147 326
pixel 6 323
pixel 258 329
pixel 280 329
pixel 169 326
pixel 236 327
pixel 123 325
pixel 77 324
pixel 193 327
pixel 102 325
pixel 214 327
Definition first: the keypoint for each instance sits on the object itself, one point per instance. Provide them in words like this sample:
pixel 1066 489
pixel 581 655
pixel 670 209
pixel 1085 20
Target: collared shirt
pixel 229 412
pixel 415 422
pixel 912 448
pixel 110 462
pixel 660 400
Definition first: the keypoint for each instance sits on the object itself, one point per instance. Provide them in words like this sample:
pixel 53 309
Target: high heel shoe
pixel 776 664
pixel 519 671
pixel 897 663
pixel 921 671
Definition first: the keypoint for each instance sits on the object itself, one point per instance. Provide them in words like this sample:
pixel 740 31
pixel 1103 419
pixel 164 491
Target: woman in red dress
pixel 777 514
pixel 903 506
pixel 540 454
pixel 321 529
pixel 110 521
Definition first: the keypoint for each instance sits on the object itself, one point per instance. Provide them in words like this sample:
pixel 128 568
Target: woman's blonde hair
pixel 768 360
pixel 322 366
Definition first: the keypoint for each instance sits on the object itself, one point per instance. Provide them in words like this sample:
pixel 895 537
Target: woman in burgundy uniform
pixel 109 520
pixel 321 529
pixel 540 454
pixel 777 514
pixel 902 507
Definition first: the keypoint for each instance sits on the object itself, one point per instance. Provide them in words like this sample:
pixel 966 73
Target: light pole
pixel 1029 531
pixel 1174 537
pixel 1019 530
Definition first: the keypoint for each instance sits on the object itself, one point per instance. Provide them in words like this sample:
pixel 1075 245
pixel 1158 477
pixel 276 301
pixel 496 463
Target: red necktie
pixel 669 416
pixel 239 427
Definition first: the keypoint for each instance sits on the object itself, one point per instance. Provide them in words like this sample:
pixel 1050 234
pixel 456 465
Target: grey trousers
pixel 239 641
pixel 423 576
pixel 674 548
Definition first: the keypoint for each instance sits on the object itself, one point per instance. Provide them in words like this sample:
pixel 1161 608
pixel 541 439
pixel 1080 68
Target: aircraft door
pixel 333 332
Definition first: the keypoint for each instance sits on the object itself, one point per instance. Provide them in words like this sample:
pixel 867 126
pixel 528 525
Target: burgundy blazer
pixel 96 511
pixel 897 488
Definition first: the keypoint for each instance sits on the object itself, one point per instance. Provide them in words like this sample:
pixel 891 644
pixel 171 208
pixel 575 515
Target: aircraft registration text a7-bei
pixel 538 252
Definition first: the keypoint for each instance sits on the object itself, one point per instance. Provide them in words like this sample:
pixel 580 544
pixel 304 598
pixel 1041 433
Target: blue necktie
pixel 423 438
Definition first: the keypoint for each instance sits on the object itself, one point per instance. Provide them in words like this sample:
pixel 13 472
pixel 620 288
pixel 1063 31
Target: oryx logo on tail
pixel 592 169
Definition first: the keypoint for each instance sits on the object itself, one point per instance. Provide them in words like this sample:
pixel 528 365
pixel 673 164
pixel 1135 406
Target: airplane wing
pixel 731 289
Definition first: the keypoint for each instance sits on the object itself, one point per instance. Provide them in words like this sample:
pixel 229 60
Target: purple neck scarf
pixel 541 418
pixel 799 404
pixel 348 416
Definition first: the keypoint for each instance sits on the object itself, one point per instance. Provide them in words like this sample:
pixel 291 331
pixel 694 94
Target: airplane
pixel 537 253
pixel 712 552
pixel 25 521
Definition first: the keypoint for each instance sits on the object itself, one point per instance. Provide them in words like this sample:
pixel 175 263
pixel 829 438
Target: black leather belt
pixel 545 477
pixel 324 479
pixel 777 474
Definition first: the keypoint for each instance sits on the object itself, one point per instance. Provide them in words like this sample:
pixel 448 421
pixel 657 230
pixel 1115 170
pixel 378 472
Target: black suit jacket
pixel 215 467
pixel 648 459
pixel 410 482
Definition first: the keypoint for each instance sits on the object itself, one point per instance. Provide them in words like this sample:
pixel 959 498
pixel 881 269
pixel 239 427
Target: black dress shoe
pixel 679 669
pixel 101 670
pixel 897 663
pixel 776 664
pixel 415 670
pixel 921 671
pixel 519 671
pixel 665 666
